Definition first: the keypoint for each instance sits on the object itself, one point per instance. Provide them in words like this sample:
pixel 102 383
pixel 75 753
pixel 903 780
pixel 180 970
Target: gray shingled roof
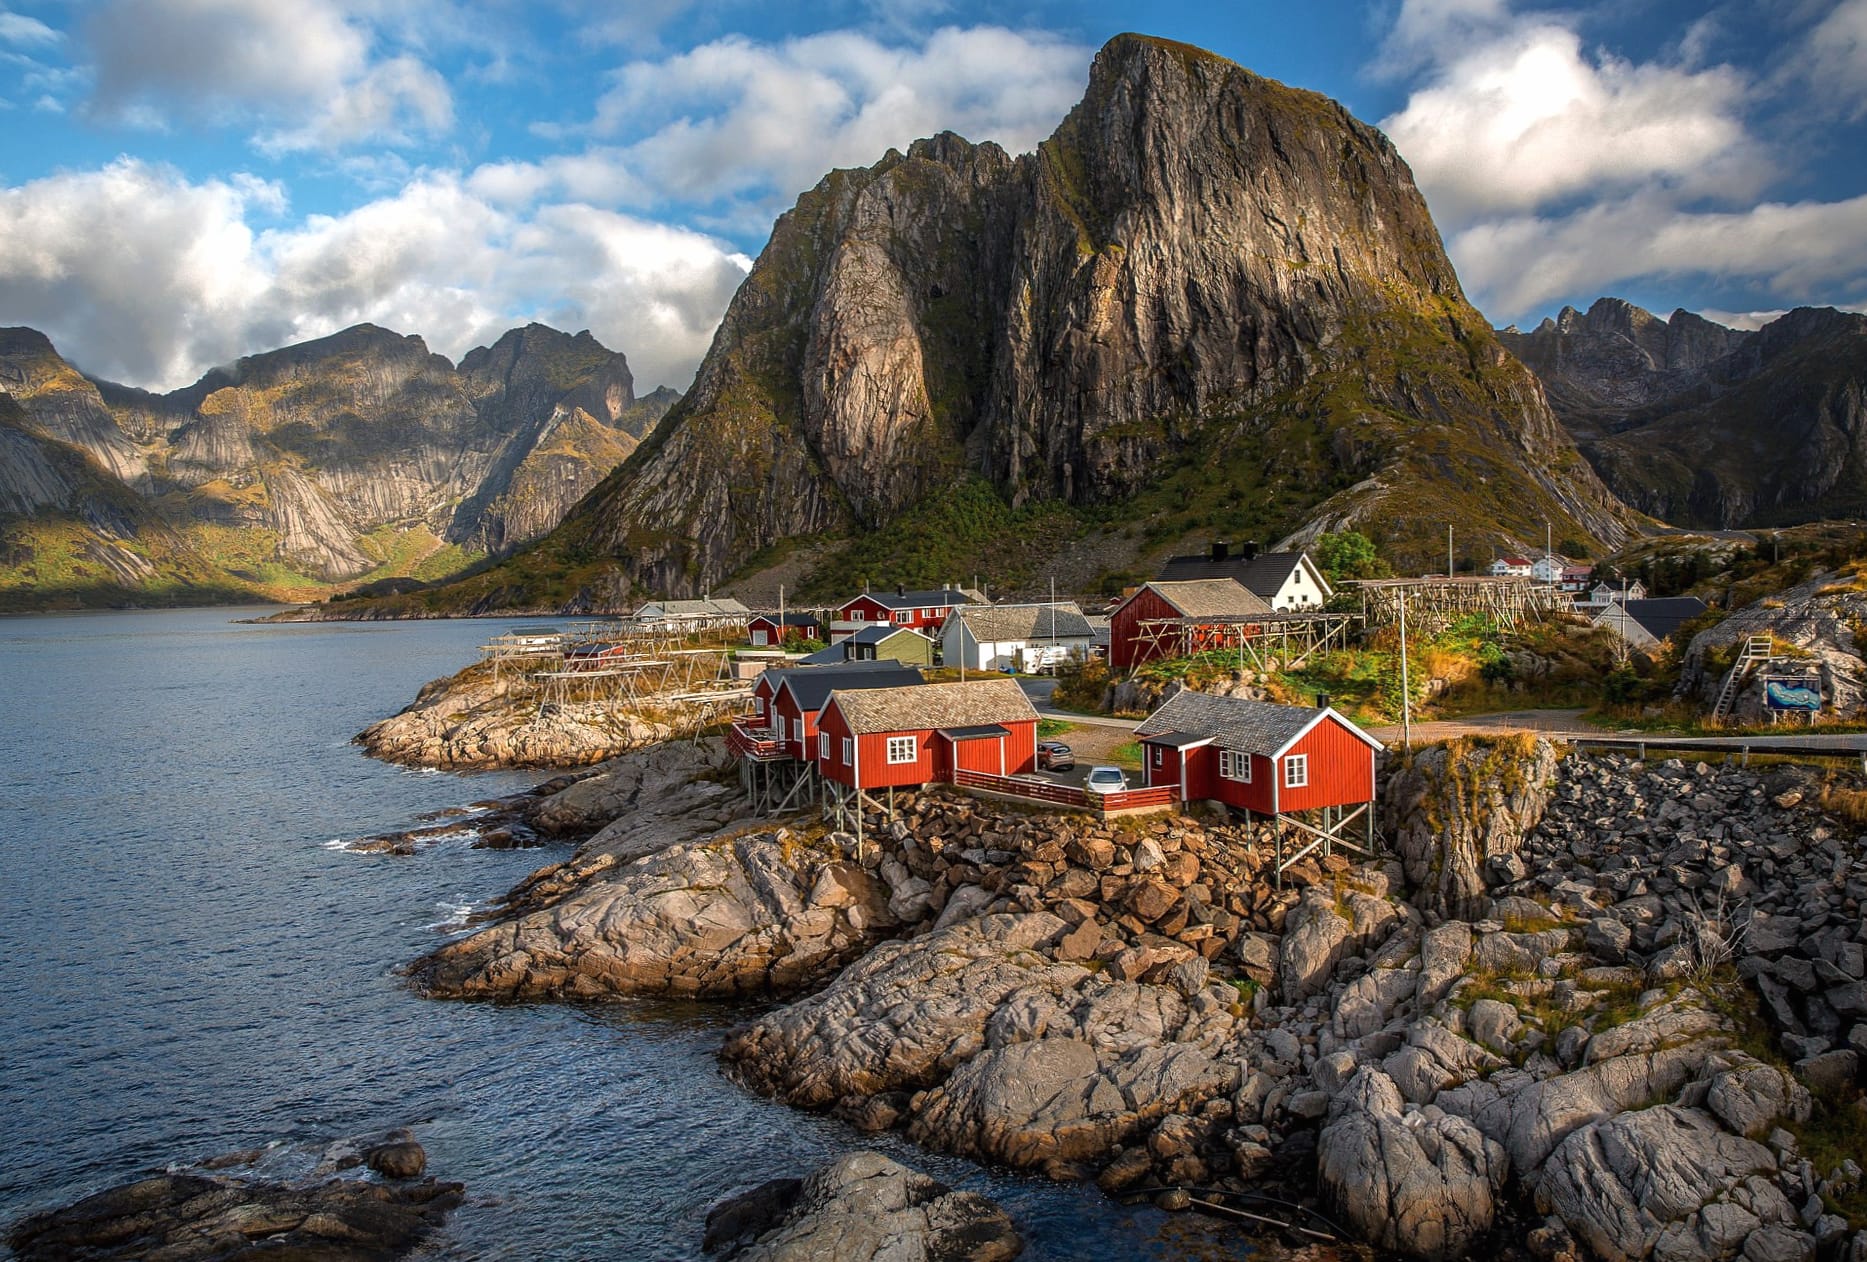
pixel 1251 727
pixel 995 624
pixel 811 686
pixel 1211 598
pixel 970 704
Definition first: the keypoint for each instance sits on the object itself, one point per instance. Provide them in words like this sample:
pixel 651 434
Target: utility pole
pixel 781 626
pixel 1406 692
pixel 1449 569
pixel 1050 649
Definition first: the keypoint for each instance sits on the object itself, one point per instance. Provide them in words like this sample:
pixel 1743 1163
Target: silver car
pixel 1105 780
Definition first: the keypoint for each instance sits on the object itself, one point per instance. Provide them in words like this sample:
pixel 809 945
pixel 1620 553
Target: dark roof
pixel 789 620
pixel 811 686
pixel 1174 740
pixel 1265 573
pixel 829 656
pixel 1663 616
pixel 973 733
pixel 1251 727
pixel 880 631
pixel 915 600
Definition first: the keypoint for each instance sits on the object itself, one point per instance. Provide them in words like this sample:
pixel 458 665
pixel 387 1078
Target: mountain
pixel 359 454
pixel 1708 426
pixel 1208 303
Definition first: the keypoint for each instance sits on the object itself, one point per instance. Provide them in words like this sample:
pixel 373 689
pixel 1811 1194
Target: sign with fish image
pixel 1781 693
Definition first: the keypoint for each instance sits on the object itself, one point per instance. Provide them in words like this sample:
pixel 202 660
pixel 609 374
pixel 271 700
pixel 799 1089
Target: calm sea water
pixel 188 966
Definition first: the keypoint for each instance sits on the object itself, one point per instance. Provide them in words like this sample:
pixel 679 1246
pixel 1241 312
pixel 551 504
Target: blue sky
pixel 185 181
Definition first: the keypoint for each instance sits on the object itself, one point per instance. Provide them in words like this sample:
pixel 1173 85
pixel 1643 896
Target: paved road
pixel 1039 690
pixel 1569 725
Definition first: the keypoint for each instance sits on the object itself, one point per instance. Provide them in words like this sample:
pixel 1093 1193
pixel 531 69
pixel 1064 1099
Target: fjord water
pixel 189 967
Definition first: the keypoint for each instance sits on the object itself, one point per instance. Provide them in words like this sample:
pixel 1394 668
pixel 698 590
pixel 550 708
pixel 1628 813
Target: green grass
pixel 1050 729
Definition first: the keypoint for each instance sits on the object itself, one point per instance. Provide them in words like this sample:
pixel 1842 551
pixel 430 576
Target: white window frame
pixel 1159 757
pixel 858 615
pixel 903 749
pixel 797 730
pixel 849 752
pixel 904 616
pixel 1235 765
pixel 823 746
pixel 759 639
pixel 758 706
pixel 1296 771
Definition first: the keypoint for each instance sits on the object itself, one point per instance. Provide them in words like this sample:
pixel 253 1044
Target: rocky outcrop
pixel 205 1215
pixel 317 451
pixel 1707 426
pixel 862 1208
pixel 1457 815
pixel 1199 265
pixel 1813 628
pixel 746 915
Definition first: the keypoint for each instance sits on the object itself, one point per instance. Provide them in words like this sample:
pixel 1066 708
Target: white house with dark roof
pixel 1003 637
pixel 1284 580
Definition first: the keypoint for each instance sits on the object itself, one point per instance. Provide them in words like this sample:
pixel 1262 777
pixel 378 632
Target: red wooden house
pixel 894 737
pixel 768 630
pixel 1258 756
pixel 1138 630
pixel 789 702
pixel 921 611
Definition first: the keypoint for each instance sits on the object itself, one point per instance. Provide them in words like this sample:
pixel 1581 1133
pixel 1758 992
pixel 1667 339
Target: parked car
pixel 1054 756
pixel 1105 780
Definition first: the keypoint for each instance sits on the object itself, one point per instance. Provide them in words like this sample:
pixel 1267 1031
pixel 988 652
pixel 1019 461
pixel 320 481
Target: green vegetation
pixel 1349 554
pixel 1050 729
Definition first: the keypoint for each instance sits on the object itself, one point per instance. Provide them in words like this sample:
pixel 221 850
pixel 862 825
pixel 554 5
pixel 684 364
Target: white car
pixel 1105 780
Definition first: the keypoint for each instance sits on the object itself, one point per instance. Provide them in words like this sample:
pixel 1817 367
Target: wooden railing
pixel 1039 790
pixel 756 743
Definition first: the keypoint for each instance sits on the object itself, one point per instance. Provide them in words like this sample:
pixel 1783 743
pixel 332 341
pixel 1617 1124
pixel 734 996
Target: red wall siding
pixel 982 755
pixel 1341 769
pixel 879 773
pixel 1124 652
pixel 1167 773
pixel 833 767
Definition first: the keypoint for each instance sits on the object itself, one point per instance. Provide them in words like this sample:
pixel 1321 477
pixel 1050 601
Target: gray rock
pixel 1315 939
pixel 1417 1182
pixel 1443 952
pixel 1494 1024
pixel 866 1208
pixel 1778 1243
pixel 1830 1072
pixel 1608 938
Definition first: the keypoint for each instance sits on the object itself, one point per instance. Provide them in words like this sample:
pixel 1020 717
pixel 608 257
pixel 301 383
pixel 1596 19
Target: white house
pixel 1285 580
pixel 1512 567
pixel 1014 637
pixel 692 615
pixel 1603 594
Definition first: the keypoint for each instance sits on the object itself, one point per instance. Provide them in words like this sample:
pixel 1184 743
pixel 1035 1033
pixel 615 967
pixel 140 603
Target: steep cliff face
pixel 1713 427
pixel 1199 266
pixel 337 457
pixel 1598 367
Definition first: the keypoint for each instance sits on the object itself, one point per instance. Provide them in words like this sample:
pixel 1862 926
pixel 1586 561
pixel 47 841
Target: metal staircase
pixel 1757 649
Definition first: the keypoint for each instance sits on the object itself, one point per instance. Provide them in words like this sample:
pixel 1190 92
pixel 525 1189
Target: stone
pixel 1751 1097
pixel 1608 939
pixel 865 1207
pixel 1421 1185
pixel 1447 835
pixel 1494 1024
pixel 1443 952
pixel 398 1159
pixel 1316 937
pixel 1829 1073
pixel 738 1220
pixel 1080 943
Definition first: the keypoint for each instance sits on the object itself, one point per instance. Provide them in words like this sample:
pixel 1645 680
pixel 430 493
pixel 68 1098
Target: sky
pixel 186 181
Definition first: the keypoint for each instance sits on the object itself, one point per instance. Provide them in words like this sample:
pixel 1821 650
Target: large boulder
pixel 866 1208
pixel 1664 1181
pixel 1417 1181
pixel 1456 809
pixel 1323 928
pixel 755 914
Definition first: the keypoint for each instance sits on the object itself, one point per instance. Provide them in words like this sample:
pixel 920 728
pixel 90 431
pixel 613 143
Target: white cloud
pixel 142 276
pixel 1528 119
pixel 1836 56
pixel 1803 251
pixel 735 120
pixel 21 31
pixel 308 71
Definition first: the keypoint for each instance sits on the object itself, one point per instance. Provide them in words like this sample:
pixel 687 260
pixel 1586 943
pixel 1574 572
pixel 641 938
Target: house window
pixel 849 751
pixel 1157 756
pixel 797 729
pixel 1234 765
pixel 927 613
pixel 858 615
pixel 1296 771
pixel 904 615
pixel 823 746
pixel 758 706
pixel 902 749
pixel 758 639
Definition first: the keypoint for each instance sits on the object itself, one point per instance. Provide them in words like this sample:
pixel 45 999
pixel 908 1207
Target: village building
pixel 1574 578
pixel 1512 567
pixel 770 630
pixel 1177 619
pixel 787 703
pixel 1283 580
pixel 1015 637
pixel 886 643
pixel 707 614
pixel 1646 624
pixel 1602 595
pixel 888 738
pixel 921 611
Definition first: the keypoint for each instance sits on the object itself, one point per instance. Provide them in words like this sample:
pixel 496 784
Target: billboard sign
pixel 1780 693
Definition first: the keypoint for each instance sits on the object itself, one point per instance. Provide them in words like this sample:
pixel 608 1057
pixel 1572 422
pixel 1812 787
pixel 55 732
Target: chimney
pixel 1322 701
pixel 901 589
pixel 1249 549
pixel 1220 550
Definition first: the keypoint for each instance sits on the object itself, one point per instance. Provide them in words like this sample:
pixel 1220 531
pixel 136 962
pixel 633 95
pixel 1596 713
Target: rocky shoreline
pixel 1609 1009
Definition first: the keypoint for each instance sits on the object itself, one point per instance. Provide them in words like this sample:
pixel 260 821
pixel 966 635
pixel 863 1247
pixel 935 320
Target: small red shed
pixel 1258 756
pixel 770 630
pixel 894 737
pixel 1224 600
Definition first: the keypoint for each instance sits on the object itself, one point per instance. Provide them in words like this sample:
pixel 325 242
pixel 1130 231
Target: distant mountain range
pixel 356 456
pixel 1702 425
